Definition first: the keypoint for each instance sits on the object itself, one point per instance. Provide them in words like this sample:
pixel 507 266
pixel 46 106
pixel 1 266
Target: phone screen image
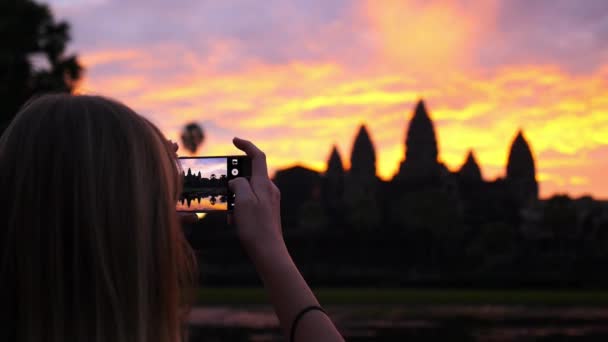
pixel 205 182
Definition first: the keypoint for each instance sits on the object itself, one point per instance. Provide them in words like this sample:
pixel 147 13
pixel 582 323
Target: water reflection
pixel 202 202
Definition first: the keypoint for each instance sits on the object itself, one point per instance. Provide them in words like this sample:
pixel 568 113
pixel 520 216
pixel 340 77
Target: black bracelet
pixel 299 316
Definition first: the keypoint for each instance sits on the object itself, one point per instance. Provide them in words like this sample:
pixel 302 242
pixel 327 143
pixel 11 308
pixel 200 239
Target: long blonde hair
pixel 90 245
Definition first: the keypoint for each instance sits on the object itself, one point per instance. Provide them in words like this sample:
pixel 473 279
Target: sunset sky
pixel 207 167
pixel 298 76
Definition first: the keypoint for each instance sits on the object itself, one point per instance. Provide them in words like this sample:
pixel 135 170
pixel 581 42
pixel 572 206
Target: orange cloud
pixel 97 58
pixel 428 36
pixel 297 110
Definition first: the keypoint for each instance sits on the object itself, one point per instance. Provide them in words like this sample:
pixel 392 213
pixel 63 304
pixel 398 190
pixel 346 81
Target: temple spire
pixel 521 163
pixel 421 142
pixel 333 188
pixel 334 163
pixel 363 156
pixel 421 153
pixel 521 169
pixel 361 185
pixel 470 169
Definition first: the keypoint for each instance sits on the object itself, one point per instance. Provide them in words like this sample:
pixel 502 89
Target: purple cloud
pixel 271 31
pixel 572 34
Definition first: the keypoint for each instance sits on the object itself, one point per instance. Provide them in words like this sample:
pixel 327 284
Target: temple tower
pixel 361 185
pixel 470 170
pixel 363 156
pixel 333 188
pixel 521 171
pixel 420 162
pixel 335 168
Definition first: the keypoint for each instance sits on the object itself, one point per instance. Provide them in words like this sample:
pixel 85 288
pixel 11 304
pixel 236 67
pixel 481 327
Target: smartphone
pixel 205 182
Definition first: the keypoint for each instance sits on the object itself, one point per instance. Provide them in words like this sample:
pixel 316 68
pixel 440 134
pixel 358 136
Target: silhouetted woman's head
pixel 90 246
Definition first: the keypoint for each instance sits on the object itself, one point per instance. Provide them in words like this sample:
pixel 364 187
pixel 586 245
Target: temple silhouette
pixel 427 225
pixel 197 181
pixel 358 198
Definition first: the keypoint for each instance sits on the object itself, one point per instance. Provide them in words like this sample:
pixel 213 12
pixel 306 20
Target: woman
pixel 90 244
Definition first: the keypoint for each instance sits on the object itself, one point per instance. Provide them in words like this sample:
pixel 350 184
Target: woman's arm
pixel 258 221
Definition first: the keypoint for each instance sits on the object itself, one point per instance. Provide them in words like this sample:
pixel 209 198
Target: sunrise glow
pixel 297 93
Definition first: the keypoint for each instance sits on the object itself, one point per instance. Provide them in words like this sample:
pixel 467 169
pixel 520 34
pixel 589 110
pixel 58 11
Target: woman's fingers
pixel 174 146
pixel 258 158
pixel 259 169
pixel 241 188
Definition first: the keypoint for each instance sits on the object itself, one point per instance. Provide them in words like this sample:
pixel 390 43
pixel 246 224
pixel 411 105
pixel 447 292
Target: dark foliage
pixel 192 136
pixel 32 55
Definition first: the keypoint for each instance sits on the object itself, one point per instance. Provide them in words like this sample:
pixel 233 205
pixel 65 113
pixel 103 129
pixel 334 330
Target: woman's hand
pixel 257 212
pixel 258 219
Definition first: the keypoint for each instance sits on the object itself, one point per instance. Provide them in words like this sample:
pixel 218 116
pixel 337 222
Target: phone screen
pixel 205 182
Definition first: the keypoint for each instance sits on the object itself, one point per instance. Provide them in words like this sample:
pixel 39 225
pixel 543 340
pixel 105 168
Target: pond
pixel 415 323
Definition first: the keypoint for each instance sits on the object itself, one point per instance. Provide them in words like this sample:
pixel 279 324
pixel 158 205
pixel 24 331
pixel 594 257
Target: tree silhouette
pixel 29 32
pixel 192 136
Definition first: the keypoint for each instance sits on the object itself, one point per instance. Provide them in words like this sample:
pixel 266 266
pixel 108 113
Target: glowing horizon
pixel 299 77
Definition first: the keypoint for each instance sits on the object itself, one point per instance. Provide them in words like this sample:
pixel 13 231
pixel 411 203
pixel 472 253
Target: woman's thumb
pixel 242 190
